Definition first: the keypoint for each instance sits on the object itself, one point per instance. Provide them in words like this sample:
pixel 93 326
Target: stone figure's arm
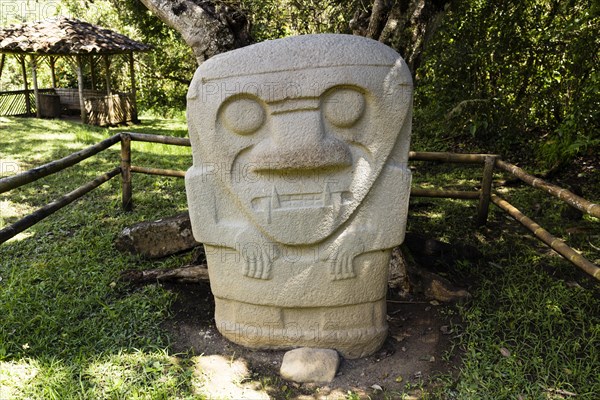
pixel 392 195
pixel 218 222
pixel 212 215
pixel 378 225
pixel 258 253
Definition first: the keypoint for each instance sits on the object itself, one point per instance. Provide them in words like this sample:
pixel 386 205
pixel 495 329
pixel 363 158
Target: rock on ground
pixel 157 239
pixel 306 364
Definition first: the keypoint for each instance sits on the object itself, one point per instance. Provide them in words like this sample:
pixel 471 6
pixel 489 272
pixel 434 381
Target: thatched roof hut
pixel 64 36
pixel 77 41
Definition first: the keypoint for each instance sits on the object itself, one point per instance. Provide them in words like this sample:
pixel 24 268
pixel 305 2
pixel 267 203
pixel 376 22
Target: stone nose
pixel 298 141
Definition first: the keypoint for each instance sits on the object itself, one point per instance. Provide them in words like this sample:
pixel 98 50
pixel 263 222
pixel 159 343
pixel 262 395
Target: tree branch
pixel 209 28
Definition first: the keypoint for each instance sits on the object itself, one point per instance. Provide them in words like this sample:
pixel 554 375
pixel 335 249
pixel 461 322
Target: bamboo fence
pixel 14 103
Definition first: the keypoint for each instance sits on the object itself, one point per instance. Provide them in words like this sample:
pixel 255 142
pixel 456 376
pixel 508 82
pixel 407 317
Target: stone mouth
pixel 301 201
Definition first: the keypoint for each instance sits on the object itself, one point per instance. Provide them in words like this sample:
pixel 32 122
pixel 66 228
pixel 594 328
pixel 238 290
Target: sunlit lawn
pixel 70 329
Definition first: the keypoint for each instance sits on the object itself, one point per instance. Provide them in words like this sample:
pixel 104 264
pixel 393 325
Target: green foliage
pixel 273 19
pixel 506 77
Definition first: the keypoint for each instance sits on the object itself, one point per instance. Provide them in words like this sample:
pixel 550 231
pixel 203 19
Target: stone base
pixel 355 331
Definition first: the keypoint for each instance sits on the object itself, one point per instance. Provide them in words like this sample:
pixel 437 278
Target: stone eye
pixel 243 115
pixel 343 107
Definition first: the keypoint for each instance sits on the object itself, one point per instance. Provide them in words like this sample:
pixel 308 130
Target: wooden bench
pixel 69 97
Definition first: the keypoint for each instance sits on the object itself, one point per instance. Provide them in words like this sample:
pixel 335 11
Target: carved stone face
pixel 298 140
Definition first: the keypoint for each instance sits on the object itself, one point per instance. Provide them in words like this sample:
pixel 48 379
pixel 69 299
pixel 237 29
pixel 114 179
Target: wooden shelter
pixel 80 43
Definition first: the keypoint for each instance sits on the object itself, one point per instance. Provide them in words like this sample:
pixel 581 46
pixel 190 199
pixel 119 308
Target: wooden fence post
pixel 486 190
pixel 126 171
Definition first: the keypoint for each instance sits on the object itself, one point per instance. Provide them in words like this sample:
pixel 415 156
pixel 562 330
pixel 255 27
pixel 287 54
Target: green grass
pixel 70 330
pixel 532 330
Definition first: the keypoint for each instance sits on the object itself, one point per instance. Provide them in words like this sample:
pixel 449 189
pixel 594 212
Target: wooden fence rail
pixel 448 157
pixel 485 194
pixel 15 181
pixel 50 208
pixel 560 193
pixel 555 243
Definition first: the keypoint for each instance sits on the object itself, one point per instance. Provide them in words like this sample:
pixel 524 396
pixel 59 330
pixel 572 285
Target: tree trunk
pixel 378 18
pixel 208 27
pixel 405 25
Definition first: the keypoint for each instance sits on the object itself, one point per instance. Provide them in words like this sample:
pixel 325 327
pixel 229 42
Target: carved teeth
pixel 275 198
pixel 326 195
pixel 273 202
pixel 337 200
pixel 268 212
pixel 276 201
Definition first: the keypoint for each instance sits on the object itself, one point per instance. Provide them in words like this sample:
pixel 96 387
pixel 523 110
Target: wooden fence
pixel 100 109
pixel 484 195
pixel 110 110
pixel 19 102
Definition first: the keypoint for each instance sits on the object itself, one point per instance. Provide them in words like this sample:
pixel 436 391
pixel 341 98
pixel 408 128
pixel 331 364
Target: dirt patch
pixel 414 353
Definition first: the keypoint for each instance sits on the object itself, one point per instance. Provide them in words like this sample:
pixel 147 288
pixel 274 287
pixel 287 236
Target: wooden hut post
pixel 2 64
pixel 93 68
pixel 38 112
pixel 25 85
pixel 52 61
pixel 107 66
pixel 134 116
pixel 80 87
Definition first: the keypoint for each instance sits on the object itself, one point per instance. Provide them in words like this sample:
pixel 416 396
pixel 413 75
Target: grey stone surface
pixel 157 239
pixel 299 188
pixel 310 365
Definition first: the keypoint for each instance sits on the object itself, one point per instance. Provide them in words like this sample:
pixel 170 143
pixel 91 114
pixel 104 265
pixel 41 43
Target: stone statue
pixel 299 188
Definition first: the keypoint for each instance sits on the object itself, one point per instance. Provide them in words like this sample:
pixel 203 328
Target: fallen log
pixel 185 274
